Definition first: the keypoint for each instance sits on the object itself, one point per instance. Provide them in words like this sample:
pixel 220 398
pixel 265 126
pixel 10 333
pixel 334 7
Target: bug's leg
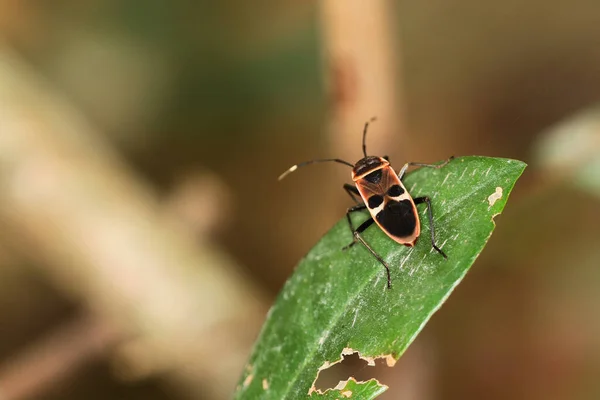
pixel 362 226
pixel 377 256
pixel 357 238
pixel 417 164
pixel 352 191
pixel 427 201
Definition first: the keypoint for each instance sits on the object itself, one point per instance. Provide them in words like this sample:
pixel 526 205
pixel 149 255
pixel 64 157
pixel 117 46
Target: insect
pixel 382 192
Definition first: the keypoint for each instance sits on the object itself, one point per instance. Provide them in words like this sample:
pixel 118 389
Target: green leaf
pixel 336 302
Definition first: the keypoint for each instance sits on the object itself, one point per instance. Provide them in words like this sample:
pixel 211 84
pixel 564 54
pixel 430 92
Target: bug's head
pixel 367 165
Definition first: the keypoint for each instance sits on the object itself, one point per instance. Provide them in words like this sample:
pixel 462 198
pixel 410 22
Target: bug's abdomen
pixel 398 218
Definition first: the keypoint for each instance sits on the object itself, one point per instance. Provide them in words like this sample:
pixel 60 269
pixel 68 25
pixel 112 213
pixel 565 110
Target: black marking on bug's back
pixel 367 164
pixel 398 218
pixel 375 201
pixel 395 191
pixel 374 177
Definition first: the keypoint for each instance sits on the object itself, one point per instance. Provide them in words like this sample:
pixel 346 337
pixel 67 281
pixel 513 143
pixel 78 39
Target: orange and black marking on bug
pixel 391 206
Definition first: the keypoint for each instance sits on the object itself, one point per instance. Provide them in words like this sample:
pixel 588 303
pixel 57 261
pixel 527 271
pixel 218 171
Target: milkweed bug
pixel 391 206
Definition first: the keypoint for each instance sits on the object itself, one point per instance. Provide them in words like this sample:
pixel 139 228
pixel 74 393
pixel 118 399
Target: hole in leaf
pixel 352 366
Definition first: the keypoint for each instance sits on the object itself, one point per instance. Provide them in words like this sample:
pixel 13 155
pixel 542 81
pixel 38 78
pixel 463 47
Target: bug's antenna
pixel 365 134
pixel 295 167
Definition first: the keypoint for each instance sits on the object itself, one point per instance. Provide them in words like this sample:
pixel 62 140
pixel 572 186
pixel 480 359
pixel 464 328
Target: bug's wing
pixel 392 207
pixel 399 219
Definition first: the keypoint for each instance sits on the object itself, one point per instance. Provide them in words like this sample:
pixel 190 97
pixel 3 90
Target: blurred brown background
pixel 143 233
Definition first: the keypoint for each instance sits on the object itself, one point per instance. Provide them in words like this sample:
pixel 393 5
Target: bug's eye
pixel 375 201
pixel 395 191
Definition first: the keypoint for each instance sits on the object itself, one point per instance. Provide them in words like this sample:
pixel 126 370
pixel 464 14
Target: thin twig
pixel 361 70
